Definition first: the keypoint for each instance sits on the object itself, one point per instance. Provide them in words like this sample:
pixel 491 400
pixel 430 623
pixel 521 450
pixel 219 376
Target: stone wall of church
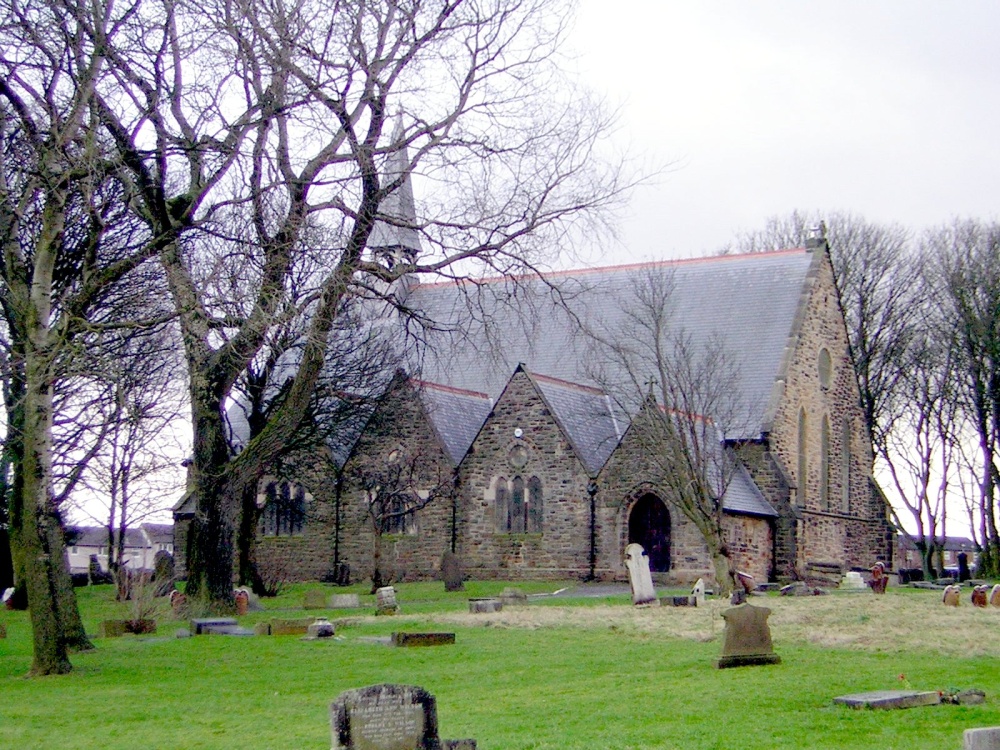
pixel 399 432
pixel 818 434
pixel 522 439
pixel 751 541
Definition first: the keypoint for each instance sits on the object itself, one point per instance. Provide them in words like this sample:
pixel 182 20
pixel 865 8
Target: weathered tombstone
pixel 980 597
pixel 511 596
pixel 886 699
pixel 178 603
pixel 314 599
pixel 639 577
pixel 290 627
pixel 242 599
pixel 485 606
pixel 951 596
pixel 451 572
pixel 388 717
pixel 853 581
pixel 981 738
pixel 747 638
pixel 344 601
pixel 163 572
pixel 321 628
pixel 995 595
pixel 698 593
pixel 201 625
pixel 385 601
pixel 879 579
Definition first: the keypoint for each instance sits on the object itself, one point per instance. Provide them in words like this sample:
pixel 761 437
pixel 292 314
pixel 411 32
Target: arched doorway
pixel 649 525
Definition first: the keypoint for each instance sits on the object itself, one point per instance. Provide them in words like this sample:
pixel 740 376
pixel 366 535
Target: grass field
pixel 560 673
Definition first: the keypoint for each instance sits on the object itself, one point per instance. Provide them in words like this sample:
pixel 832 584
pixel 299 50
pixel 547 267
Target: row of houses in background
pixel 141 545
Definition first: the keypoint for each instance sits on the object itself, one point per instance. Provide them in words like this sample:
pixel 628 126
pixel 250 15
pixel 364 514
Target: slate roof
pixel 743 496
pixel 97 536
pixel 159 533
pixel 457 415
pixel 748 303
pixel 586 417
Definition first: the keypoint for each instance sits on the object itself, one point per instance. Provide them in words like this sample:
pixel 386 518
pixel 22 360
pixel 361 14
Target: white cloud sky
pixel 886 109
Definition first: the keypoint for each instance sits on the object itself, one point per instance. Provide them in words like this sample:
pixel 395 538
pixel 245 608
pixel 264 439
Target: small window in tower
pixel 825 367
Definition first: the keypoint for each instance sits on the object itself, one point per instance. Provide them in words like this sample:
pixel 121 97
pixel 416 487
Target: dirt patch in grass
pixel 889 623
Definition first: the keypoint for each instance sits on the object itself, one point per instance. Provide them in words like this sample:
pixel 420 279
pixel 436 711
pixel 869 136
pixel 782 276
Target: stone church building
pixel 506 447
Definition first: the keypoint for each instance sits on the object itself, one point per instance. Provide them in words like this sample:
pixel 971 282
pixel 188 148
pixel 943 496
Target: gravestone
pixel 639 577
pixel 853 581
pixel 344 601
pixel 291 627
pixel 321 628
pixel 747 638
pixel 163 572
pixel 201 625
pixel 886 699
pixel 406 640
pixel 451 572
pixel 995 595
pixel 485 606
pixel 698 593
pixel 980 596
pixel 178 603
pixel 981 738
pixel 242 599
pixel 385 601
pixel 879 580
pixel 314 599
pixel 951 596
pixel 388 717
pixel 511 596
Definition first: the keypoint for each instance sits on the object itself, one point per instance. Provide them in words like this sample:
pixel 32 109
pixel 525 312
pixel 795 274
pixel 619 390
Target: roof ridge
pixel 705 259
pixel 561 381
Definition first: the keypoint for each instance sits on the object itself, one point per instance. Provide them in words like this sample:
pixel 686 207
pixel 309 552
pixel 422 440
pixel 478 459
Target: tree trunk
pixel 246 539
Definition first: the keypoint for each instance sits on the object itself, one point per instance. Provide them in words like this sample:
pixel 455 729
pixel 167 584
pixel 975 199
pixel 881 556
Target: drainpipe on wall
pixel 592 491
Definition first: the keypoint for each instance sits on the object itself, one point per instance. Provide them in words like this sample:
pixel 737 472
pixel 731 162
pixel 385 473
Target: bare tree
pixel 685 398
pixel 258 134
pixel 970 284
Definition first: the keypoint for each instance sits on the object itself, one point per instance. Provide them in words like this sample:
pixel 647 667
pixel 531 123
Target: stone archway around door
pixel 649 525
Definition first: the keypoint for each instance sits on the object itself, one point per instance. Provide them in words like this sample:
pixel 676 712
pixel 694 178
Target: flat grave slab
pixel 890 699
pixel 981 738
pixel 423 639
pixel 200 625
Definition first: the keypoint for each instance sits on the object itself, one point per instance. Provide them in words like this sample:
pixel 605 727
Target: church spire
pixel 394 237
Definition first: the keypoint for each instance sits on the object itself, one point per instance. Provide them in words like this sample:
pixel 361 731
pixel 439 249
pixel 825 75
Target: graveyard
pixel 563 666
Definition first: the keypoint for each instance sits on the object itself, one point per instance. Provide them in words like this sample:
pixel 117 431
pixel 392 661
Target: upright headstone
pixel 879 579
pixel 698 593
pixel 314 599
pixel 747 638
pixel 163 572
pixel 980 596
pixel 344 601
pixel 388 717
pixel 995 595
pixel 451 572
pixel 950 597
pixel 639 577
pixel 385 601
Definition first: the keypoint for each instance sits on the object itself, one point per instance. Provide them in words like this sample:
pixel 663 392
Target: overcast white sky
pixel 887 109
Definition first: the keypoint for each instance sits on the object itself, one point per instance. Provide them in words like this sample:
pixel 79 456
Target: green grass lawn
pixel 565 680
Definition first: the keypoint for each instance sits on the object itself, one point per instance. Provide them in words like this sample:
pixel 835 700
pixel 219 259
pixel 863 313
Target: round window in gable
pixel 825 366
pixel 518 456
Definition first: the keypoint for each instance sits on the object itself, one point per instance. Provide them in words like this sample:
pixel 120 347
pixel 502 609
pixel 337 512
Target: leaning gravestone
pixel 388 717
pixel 995 596
pixel 698 593
pixel 747 638
pixel 639 577
pixel 451 572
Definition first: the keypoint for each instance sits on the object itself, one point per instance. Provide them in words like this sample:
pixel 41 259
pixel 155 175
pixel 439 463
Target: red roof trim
pixel 602 269
pixel 568 383
pixel 449 389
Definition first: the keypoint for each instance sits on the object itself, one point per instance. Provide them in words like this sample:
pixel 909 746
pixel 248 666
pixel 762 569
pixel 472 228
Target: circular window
pixel 518 456
pixel 825 366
